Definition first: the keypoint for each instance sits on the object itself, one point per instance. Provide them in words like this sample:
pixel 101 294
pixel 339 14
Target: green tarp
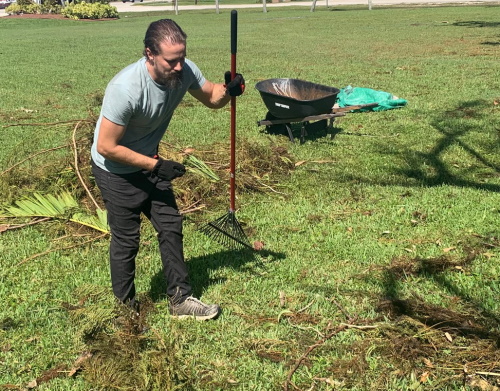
pixel 352 96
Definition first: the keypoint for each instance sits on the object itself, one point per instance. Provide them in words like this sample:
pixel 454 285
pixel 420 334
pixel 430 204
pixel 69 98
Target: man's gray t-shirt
pixel 135 100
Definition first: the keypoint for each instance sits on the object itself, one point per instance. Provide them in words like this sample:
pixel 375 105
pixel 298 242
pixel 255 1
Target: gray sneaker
pixel 194 308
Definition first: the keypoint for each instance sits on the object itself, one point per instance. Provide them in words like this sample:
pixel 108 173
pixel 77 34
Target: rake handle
pixel 232 167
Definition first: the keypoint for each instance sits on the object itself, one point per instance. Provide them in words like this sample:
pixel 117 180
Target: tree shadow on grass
pixel 201 267
pixel 474 320
pixel 476 23
pixel 453 125
pixel 479 24
pixel 491 43
pixel 430 167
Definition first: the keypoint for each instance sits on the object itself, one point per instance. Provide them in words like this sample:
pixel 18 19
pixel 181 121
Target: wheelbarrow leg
pixel 289 130
pixel 335 130
pixel 329 129
pixel 303 132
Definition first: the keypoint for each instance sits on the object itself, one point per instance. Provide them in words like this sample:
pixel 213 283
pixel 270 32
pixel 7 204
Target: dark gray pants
pixel 126 196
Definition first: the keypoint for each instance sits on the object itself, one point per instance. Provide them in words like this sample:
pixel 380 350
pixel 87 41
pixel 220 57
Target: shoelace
pixel 196 301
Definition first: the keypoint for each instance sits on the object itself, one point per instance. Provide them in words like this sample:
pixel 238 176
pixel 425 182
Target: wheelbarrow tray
pixel 293 98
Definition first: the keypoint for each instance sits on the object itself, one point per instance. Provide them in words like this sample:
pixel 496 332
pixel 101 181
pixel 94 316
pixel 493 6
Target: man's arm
pixel 212 95
pixel 110 135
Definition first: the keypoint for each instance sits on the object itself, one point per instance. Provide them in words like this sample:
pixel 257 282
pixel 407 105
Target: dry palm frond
pixel 43 206
pixel 63 206
pixel 99 221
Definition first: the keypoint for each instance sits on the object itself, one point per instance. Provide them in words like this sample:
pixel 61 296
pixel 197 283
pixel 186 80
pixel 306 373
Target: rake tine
pixel 227 231
pixel 225 236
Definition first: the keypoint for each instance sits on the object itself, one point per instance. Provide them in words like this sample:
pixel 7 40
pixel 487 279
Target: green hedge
pixel 85 10
pixel 82 10
pixel 32 8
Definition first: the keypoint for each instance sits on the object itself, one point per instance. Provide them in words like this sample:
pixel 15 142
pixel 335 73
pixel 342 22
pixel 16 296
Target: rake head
pixel 227 231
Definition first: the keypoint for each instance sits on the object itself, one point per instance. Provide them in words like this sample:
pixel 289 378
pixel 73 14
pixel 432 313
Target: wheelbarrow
pixel 294 100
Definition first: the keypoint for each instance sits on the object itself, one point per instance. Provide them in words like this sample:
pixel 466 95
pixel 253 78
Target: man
pixel 137 107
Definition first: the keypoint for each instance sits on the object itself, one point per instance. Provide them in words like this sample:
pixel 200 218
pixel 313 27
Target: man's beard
pixel 173 80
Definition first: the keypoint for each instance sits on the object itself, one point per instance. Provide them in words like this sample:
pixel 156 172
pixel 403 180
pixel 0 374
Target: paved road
pixel 137 7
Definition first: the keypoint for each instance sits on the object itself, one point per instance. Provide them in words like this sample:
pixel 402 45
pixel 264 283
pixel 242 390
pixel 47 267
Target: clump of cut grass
pixel 405 266
pixel 130 362
pixel 123 352
pixel 437 317
pixel 414 340
pixel 200 168
pixel 433 338
pixel 260 168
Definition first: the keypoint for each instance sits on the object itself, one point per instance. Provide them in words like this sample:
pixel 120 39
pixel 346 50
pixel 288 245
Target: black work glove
pixel 236 86
pixel 168 169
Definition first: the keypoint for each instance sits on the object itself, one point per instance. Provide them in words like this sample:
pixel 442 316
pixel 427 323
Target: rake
pixel 227 230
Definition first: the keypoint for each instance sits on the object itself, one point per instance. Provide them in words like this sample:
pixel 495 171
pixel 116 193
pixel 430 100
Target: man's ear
pixel 149 55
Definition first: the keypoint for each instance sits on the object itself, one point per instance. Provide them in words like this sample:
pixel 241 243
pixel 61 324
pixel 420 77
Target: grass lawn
pixel 380 267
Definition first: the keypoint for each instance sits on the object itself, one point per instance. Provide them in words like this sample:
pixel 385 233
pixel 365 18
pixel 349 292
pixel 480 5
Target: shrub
pixel 51 7
pixel 14 9
pixel 85 10
pixel 23 7
pixel 90 1
pixel 29 7
pixel 32 9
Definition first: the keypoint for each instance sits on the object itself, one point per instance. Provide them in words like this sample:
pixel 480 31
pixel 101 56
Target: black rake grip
pixel 234 29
